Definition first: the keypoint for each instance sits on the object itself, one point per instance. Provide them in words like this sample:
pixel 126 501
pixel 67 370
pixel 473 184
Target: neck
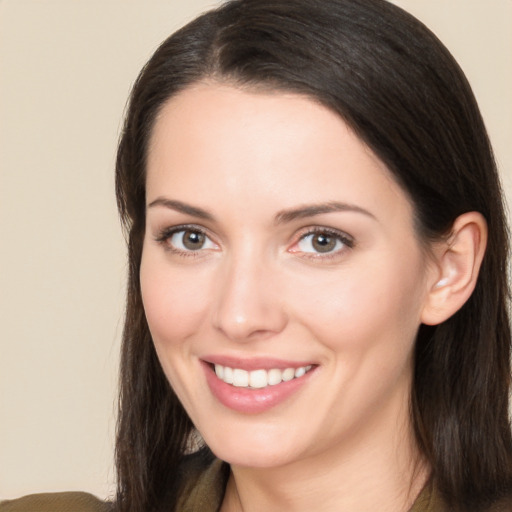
pixel 381 471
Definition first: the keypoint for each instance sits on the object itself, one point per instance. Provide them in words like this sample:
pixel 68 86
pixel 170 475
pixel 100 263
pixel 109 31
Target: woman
pixel 317 291
pixel 245 132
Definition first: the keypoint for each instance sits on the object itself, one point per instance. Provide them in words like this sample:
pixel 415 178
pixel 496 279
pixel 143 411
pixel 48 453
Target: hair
pixel 399 89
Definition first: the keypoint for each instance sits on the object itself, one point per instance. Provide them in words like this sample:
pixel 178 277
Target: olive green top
pixel 56 502
pixel 203 493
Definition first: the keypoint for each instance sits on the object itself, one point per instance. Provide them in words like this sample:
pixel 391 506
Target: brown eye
pixel 323 242
pixel 187 240
pixel 193 240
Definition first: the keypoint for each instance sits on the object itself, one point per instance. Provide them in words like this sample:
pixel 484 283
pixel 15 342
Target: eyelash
pixel 346 240
pixel 164 236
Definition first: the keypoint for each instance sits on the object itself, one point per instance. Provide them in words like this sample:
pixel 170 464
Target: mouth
pixel 255 386
pixel 259 378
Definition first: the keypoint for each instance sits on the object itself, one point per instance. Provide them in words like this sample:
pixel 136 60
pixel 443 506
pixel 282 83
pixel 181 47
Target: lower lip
pixel 248 400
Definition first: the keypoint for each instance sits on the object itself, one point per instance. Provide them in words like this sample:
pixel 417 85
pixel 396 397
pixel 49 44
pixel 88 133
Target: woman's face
pixel 279 253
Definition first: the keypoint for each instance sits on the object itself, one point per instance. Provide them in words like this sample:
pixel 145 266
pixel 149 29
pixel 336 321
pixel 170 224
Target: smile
pixel 257 385
pixel 258 379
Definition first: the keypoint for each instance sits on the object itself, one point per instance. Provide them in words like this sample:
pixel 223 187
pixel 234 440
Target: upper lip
pixel 254 363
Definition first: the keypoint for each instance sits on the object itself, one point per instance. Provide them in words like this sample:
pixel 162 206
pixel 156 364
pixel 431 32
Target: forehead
pixel 214 140
pixel 218 117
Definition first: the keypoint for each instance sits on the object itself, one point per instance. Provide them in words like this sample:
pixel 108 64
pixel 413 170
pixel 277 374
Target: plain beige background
pixel 66 68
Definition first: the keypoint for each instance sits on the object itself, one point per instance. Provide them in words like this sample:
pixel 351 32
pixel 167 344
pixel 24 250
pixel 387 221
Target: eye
pixel 186 240
pixel 322 241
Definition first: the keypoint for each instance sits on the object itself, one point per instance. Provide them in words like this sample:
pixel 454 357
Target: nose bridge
pixel 247 303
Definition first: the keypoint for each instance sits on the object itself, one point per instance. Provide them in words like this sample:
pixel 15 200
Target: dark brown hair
pixel 404 95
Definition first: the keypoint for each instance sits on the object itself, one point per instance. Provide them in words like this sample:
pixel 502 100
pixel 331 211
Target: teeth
pixel 275 376
pixel 288 374
pixel 240 378
pixel 299 372
pixel 228 375
pixel 258 378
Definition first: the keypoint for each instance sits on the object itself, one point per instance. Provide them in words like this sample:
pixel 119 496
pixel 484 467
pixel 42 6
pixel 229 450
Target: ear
pixel 457 263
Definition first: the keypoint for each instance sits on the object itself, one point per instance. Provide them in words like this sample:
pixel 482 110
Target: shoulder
pixel 203 481
pixel 56 502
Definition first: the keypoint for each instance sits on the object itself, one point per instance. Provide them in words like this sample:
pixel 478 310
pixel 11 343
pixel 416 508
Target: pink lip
pixel 252 401
pixel 255 363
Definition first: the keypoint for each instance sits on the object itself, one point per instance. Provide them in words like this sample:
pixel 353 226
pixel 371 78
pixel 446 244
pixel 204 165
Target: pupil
pixel 193 240
pixel 323 243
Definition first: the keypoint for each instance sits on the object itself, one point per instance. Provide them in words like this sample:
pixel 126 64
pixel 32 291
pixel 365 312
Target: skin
pixel 257 288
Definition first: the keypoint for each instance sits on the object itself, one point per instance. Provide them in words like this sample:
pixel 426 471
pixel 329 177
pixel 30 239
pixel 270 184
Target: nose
pixel 248 305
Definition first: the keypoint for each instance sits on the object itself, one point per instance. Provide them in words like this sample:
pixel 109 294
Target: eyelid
pixel 163 235
pixel 346 239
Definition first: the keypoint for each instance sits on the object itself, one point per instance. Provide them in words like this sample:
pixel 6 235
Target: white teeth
pixel 228 375
pixel 288 374
pixel 275 376
pixel 240 378
pixel 258 378
pixel 299 372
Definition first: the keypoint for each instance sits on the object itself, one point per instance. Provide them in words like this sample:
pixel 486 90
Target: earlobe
pixel 457 262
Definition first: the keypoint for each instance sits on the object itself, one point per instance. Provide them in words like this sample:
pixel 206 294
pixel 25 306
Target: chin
pixel 256 447
pixel 252 458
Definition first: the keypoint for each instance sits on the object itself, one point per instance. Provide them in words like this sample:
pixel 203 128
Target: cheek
pixel 376 305
pixel 174 301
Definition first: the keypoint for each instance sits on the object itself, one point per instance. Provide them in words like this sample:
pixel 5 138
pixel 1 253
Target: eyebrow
pixel 281 217
pixel 319 209
pixel 182 208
